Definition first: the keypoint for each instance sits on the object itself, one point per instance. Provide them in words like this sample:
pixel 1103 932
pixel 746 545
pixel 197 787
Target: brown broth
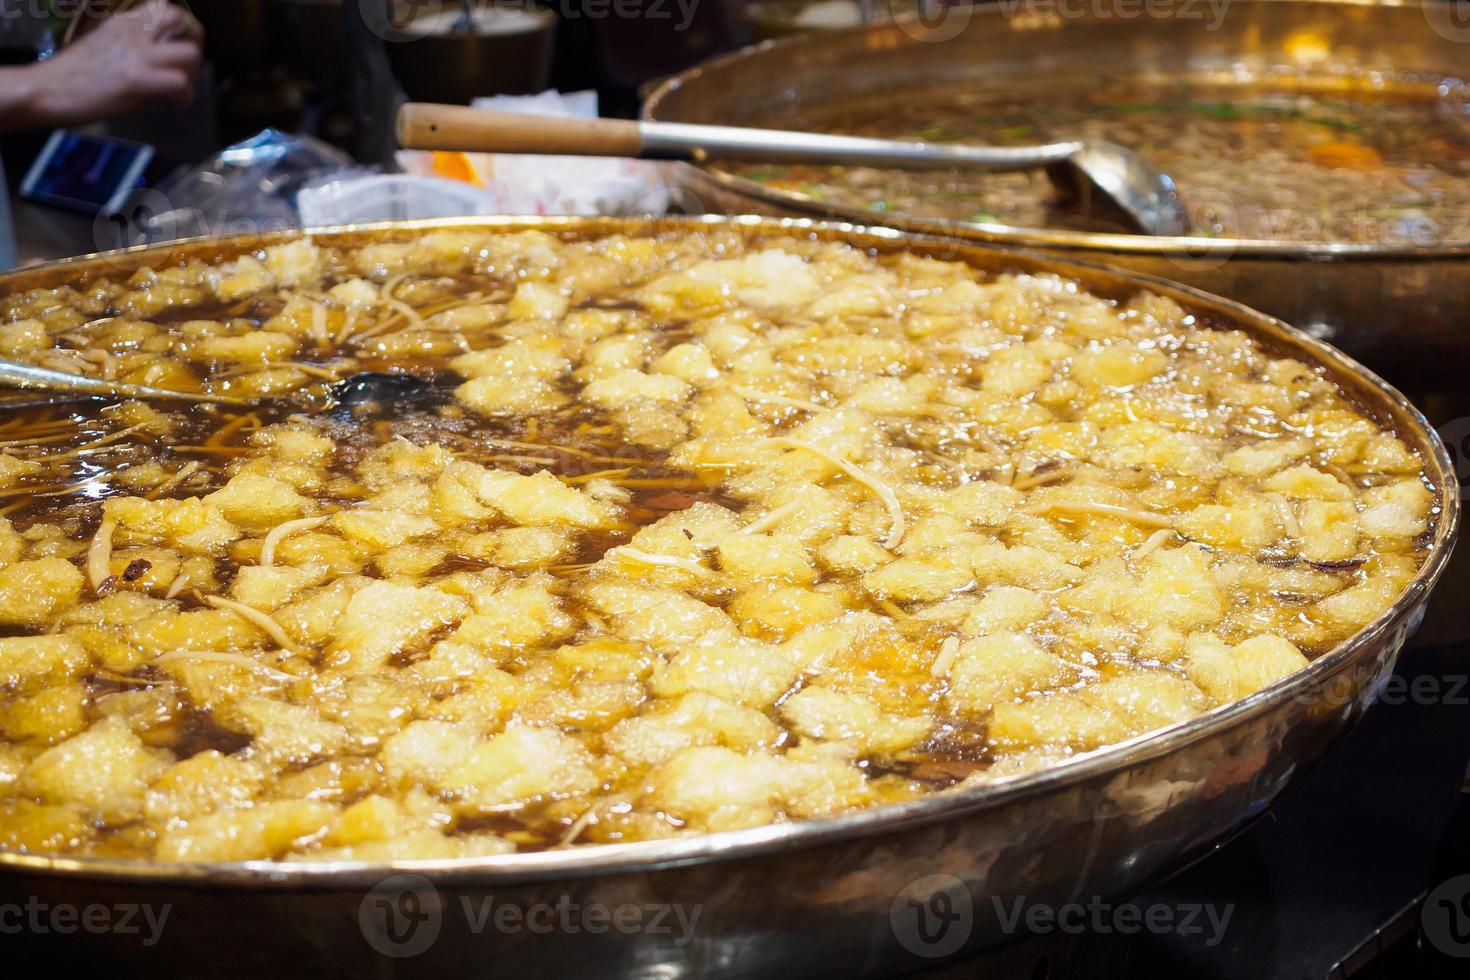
pixel 1251 161
pixel 588 675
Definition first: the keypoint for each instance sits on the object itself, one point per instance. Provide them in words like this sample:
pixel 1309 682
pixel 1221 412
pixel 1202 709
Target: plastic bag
pixel 248 188
pixel 388 197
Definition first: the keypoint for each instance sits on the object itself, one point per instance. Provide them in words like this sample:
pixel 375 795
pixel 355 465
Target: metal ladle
pixel 365 388
pixel 1143 194
pixel 28 377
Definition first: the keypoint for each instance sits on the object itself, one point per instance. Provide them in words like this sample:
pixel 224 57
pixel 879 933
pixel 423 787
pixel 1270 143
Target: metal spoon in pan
pixel 1143 195
pixel 369 391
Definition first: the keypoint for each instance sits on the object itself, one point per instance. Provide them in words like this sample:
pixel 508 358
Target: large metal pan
pixel 1399 308
pixel 825 897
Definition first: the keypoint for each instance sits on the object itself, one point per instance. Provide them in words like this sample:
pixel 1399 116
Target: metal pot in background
pixel 461 52
pixel 1398 307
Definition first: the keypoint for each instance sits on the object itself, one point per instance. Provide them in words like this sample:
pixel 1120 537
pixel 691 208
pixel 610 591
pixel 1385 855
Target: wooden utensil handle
pixel 425 126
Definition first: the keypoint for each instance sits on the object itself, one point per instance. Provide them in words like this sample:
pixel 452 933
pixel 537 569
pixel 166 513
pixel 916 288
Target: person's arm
pixel 18 99
pixel 150 52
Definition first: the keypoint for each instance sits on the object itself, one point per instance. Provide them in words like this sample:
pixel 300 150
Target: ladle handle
pixel 423 126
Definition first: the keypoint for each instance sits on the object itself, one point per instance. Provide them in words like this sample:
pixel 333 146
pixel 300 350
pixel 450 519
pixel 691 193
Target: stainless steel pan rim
pixel 776 838
pixel 1183 249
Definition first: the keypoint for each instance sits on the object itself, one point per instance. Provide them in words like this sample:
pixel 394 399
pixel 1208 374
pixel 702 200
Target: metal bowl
pixel 819 897
pixel 1398 307
pixel 507 50
pixel 783 18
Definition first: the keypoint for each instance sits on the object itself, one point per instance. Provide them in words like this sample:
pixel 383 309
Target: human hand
pixel 145 53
